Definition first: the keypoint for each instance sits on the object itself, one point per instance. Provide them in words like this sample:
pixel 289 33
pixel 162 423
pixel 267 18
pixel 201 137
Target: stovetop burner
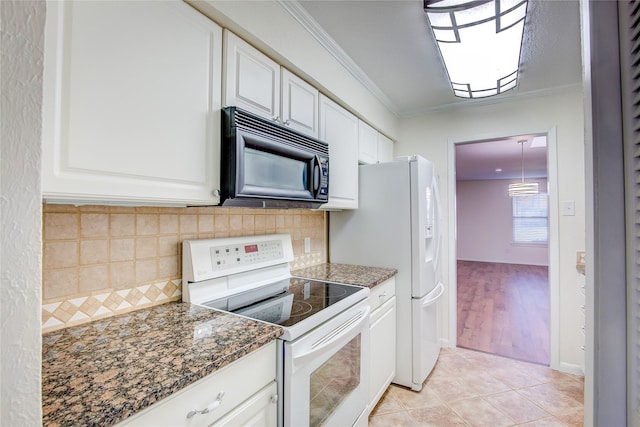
pixel 302 299
pixel 300 308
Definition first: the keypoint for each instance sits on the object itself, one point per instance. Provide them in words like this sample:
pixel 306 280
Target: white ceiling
pixel 480 160
pixel 388 45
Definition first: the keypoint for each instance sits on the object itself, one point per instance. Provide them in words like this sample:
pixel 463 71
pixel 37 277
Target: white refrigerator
pixel 398 225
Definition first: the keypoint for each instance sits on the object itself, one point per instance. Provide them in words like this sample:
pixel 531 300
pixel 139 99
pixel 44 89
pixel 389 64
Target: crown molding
pixel 507 97
pixel 311 25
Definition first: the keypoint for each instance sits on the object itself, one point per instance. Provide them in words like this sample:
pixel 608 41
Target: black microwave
pixel 267 165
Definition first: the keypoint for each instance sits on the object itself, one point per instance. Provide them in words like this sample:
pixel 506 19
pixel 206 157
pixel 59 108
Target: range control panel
pixel 213 258
pixel 231 256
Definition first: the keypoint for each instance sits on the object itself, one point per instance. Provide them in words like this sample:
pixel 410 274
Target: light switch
pixel 568 207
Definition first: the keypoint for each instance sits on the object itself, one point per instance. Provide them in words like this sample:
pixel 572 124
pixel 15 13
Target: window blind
pixel 530 222
pixel 629 16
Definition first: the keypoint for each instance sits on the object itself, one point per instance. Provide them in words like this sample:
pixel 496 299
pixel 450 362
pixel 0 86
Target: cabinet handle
pixel 274 398
pixel 383 294
pixel 287 123
pixel 276 119
pixel 210 407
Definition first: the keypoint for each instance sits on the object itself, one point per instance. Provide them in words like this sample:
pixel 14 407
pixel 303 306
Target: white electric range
pixel 323 352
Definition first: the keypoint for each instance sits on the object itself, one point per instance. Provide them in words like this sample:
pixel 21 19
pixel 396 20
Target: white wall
pixel 22 43
pixel 484 225
pixel 431 136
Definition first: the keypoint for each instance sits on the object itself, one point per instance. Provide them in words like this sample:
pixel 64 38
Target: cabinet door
pixel 385 149
pixel 299 104
pixel 383 353
pixel 261 410
pixel 252 80
pixel 132 95
pixel 238 389
pixel 339 128
pixel 367 143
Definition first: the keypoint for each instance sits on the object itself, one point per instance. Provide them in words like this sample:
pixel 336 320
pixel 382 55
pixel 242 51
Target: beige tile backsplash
pixel 99 261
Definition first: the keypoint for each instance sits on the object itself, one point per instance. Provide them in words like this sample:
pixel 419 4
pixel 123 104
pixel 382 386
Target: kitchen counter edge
pixel 347 273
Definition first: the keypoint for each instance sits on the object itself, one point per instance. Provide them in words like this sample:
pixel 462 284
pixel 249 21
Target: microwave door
pixel 268 169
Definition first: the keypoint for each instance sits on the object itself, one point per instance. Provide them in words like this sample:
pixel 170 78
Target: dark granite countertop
pixel 347 273
pixel 102 372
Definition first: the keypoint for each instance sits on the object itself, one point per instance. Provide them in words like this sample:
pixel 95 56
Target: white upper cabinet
pixel 385 149
pixel 299 104
pixel 339 128
pixel 256 83
pixel 367 143
pixel 373 147
pixel 132 94
pixel 252 80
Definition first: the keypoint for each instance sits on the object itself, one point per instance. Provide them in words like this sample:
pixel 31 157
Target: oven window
pixel 333 381
pixel 269 170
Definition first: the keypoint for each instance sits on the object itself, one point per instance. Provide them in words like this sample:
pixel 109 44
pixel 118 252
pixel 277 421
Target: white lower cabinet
pixel 261 410
pixel 243 393
pixel 131 110
pixel 383 340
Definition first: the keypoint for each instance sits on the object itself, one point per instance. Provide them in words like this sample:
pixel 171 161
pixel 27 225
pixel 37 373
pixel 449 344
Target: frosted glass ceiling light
pixel 523 188
pixel 479 42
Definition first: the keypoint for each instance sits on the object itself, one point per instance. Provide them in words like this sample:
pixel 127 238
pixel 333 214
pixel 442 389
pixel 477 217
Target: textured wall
pixel 104 260
pixel 21 47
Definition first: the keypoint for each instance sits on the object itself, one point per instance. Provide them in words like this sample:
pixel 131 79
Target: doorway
pixel 502 247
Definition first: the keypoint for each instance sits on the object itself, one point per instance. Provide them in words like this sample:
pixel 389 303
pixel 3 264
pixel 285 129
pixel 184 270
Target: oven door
pixel 326 372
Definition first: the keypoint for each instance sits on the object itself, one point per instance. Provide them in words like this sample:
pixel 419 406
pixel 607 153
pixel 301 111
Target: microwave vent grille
pixel 266 129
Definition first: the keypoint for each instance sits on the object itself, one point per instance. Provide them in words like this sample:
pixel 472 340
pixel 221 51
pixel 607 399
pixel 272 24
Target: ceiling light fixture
pixel 523 188
pixel 479 42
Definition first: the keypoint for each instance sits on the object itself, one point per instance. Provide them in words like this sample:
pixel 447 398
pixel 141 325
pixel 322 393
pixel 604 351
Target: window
pixel 531 218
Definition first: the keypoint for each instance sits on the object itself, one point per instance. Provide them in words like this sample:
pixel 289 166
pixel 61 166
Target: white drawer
pixel 382 293
pixel 238 381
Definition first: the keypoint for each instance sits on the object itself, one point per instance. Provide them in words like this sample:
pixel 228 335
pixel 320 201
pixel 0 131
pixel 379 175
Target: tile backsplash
pixel 99 261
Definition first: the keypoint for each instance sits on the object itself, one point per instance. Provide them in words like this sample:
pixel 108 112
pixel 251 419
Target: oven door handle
pixel 336 338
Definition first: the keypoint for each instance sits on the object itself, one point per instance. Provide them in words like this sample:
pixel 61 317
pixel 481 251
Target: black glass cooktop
pixel 287 302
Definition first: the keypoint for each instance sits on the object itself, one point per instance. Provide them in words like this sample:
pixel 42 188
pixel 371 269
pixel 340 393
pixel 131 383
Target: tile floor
pixel 470 388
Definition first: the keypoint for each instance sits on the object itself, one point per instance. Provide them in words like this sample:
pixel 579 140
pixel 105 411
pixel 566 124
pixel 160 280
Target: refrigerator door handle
pixel 438 223
pixel 430 300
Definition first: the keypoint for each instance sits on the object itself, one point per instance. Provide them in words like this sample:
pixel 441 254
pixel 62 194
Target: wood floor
pixel 503 309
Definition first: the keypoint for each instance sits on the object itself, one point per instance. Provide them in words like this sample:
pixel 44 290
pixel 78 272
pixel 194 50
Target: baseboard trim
pixel 571 368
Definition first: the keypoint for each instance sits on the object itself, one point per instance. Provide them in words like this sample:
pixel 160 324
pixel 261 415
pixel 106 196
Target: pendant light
pixel 523 188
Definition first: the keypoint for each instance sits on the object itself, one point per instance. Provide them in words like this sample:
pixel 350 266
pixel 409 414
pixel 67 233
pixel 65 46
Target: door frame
pixel 554 247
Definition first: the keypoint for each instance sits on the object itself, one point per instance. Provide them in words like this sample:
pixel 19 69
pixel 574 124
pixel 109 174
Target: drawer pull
pixel 210 408
pixel 383 294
